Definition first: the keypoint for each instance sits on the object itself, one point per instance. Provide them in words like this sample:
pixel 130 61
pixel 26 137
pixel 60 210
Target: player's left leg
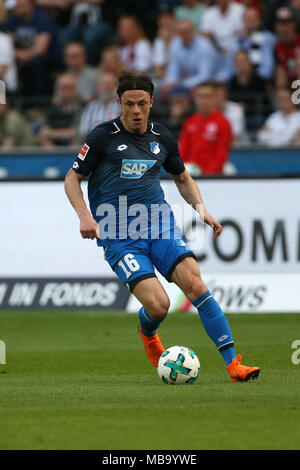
pixel 187 276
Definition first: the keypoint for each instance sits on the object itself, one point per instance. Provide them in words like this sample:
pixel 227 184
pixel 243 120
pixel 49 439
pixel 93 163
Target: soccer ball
pixel 178 365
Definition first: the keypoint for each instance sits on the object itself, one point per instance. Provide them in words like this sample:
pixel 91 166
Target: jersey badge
pixel 154 147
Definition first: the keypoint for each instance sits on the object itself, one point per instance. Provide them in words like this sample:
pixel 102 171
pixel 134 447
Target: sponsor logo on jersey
pixel 122 147
pixel 135 168
pixel 154 147
pixel 83 152
pixel 75 165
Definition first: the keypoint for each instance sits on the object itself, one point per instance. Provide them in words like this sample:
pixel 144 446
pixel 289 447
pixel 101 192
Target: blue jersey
pixel 124 172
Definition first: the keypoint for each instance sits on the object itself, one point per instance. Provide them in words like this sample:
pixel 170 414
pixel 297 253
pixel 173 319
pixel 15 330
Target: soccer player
pixel 122 159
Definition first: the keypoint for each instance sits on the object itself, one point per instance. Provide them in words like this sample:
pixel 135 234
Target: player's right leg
pixel 131 263
pixel 156 304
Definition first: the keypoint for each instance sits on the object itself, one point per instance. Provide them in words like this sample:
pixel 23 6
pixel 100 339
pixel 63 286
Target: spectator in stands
pixel 167 4
pixel 87 26
pixel 166 31
pixel 222 22
pixel 178 110
pixel 269 11
pixel 259 44
pixel 287 48
pixel 296 83
pixel 282 128
pixel 36 48
pixel 234 112
pixel 104 108
pixel 191 10
pixel 248 89
pixel 296 11
pixel 192 58
pixel 59 10
pixel 295 7
pixel 86 76
pixel 63 117
pixel 8 69
pixel 111 10
pixel 3 12
pixel 257 4
pixel 111 61
pixel 145 11
pixel 206 136
pixel 14 129
pixel 136 52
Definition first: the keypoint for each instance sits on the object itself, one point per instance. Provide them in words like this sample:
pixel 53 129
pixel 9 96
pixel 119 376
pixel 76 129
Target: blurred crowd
pixel 225 71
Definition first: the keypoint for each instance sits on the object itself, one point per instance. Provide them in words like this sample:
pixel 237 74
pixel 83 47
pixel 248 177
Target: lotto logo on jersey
pixel 135 168
pixel 83 152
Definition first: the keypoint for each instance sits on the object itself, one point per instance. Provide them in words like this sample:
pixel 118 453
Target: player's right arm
pixel 88 225
pixel 87 160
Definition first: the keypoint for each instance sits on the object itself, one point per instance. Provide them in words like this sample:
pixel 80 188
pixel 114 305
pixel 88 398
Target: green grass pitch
pixel 81 380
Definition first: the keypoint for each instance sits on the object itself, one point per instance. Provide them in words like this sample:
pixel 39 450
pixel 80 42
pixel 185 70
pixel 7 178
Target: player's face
pixel 135 105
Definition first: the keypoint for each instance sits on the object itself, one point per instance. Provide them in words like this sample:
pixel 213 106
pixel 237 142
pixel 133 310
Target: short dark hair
pixel 222 85
pixel 243 52
pixel 134 81
pixel 206 84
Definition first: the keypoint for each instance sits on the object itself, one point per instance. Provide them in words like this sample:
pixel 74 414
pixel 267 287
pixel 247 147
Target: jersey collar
pixel 120 124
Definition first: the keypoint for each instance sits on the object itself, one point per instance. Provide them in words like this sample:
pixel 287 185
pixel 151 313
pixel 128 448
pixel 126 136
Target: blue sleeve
pixel 90 154
pixel 173 163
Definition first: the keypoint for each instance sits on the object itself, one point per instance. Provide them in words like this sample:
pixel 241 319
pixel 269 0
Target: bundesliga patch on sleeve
pixel 83 152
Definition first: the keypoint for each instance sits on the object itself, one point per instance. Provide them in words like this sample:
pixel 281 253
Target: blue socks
pixel 216 325
pixel 148 324
pixel 213 319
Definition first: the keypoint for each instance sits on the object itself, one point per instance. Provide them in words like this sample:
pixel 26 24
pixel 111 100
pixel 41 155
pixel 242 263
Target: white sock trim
pixel 203 301
pixel 229 342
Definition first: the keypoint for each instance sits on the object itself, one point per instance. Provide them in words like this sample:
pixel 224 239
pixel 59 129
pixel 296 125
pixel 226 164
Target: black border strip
pixel 256 176
pixel 226 346
pixel 135 281
pixel 188 254
pixel 70 150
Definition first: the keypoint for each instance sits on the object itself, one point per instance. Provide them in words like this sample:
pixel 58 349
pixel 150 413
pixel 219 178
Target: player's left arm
pixel 186 185
pixel 191 194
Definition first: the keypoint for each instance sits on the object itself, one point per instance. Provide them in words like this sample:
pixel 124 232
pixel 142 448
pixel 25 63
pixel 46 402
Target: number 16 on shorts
pixel 129 265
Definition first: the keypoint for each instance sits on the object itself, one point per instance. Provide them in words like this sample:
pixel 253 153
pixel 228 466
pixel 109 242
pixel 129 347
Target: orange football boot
pixel 240 373
pixel 153 346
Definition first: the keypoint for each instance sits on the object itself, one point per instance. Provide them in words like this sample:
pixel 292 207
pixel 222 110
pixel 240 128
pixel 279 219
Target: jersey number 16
pixel 130 265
